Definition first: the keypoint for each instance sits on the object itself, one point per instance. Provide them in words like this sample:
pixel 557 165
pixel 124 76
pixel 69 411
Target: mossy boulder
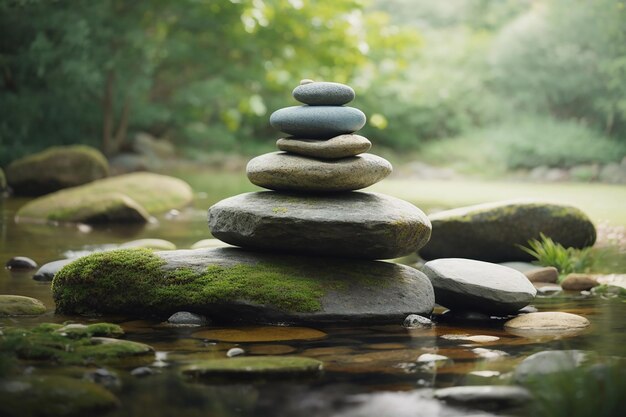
pixel 70 344
pixel 493 232
pixel 53 396
pixel 126 198
pixel 254 367
pixel 234 285
pixel 17 305
pixel 56 168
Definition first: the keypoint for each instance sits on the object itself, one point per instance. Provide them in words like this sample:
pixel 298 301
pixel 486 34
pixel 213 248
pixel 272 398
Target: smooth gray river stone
pixel 355 224
pixel 317 121
pixel 323 94
pixel 289 172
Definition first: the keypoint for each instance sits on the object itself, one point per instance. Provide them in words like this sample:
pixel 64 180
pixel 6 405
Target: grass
pixel 565 260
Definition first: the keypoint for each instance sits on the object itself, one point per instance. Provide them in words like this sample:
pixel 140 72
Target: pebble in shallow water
pixel 20 263
pixel 415 321
pixel 187 319
pixel 235 352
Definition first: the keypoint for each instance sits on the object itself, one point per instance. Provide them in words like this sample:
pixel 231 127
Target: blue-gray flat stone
pixel 317 121
pixel 289 172
pixel 323 94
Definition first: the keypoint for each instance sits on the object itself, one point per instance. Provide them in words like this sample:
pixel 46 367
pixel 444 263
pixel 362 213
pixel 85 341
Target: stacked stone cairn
pixel 314 210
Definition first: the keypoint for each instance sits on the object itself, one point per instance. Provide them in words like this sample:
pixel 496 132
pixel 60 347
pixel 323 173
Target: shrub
pixel 566 260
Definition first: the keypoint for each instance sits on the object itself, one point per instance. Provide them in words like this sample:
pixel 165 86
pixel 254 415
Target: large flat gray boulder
pixel 356 224
pixel 492 232
pixel 234 285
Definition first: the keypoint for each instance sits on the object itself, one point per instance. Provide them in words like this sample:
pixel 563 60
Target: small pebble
pixel 142 372
pixel 20 263
pixel 235 352
pixel 104 377
pixel 306 81
pixel 415 321
pixel 187 319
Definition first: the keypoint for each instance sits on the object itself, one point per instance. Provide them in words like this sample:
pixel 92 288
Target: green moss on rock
pixel 254 366
pixel 17 305
pixel 132 197
pixel 53 396
pixel 123 280
pixel 69 345
pixel 56 168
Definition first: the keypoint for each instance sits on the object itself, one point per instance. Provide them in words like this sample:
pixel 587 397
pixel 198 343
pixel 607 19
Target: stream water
pixel 368 370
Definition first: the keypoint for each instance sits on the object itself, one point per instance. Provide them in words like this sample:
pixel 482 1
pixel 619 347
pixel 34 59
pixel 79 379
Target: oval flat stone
pixel 288 172
pixel 323 93
pixel 465 284
pixel 317 121
pixel 340 146
pixel 546 323
pixel 356 225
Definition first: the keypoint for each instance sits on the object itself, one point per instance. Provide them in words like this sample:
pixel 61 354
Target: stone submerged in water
pixel 238 285
pixel 254 366
pixel 356 224
pixel 317 121
pixel 465 284
pixel 341 146
pixel 323 93
pixel 288 172
pixel 485 396
pixel 491 232
pixel 547 362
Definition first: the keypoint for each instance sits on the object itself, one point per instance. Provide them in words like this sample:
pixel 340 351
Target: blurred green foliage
pixel 207 74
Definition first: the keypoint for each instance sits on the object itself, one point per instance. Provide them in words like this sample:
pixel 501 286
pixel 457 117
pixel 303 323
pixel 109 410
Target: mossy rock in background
pixel 492 232
pixel 126 198
pixel 17 305
pixel 56 168
pixel 53 396
pixel 234 285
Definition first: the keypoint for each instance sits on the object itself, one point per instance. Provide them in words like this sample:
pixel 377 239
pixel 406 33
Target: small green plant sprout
pixel 566 260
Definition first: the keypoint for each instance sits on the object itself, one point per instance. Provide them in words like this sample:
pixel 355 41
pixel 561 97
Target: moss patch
pixel 17 305
pixel 254 366
pixel 132 280
pixel 51 342
pixel 3 181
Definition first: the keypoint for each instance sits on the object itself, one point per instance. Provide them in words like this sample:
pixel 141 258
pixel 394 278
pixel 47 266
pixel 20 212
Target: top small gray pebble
pixel 323 93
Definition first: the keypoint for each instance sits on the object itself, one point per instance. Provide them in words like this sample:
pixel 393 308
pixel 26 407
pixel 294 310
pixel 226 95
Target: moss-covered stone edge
pixel 66 152
pixel 135 281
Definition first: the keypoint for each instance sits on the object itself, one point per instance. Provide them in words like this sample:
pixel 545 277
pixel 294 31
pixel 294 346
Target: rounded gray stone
pixel 317 121
pixel 185 318
pixel 355 225
pixel 47 271
pixel 341 146
pixel 288 172
pixel 465 284
pixel 323 93
pixel 548 362
pixel 500 396
pixel 492 232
